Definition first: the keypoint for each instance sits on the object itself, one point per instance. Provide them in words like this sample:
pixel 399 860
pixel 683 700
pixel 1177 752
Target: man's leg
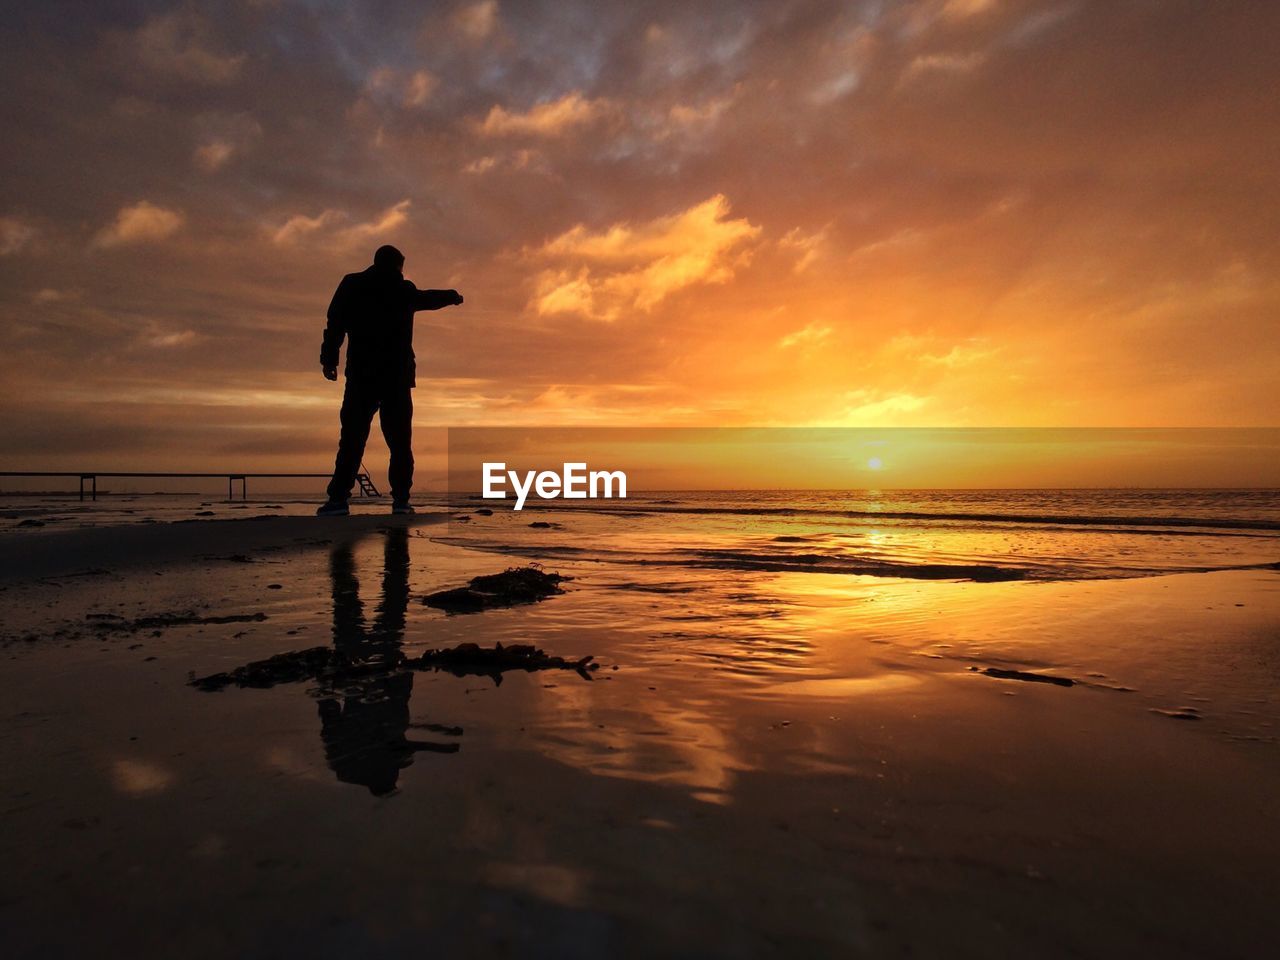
pixel 358 405
pixel 397 429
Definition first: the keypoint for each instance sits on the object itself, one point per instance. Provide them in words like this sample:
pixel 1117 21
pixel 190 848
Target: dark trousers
pixel 394 404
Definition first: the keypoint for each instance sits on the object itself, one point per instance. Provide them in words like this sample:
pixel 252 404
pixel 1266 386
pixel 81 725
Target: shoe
pixel 402 506
pixel 333 508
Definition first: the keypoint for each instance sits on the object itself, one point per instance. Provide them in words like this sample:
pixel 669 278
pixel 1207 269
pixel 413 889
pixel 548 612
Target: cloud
pixel 959 9
pixel 958 356
pixel 664 130
pixel 943 63
pixel 48 295
pixel 300 226
pixel 545 119
pixel 835 87
pixel 560 291
pixel 213 155
pixel 807 247
pixel 897 241
pixel 419 88
pixel 697 117
pixel 144 222
pixel 391 218
pixel 477 20
pixel 405 89
pixel 221 137
pixel 481 165
pixel 522 159
pixel 334 227
pixel 867 409
pixel 838 65
pixel 177 43
pixel 177 338
pixel 636 267
pixel 14 235
pixel 806 336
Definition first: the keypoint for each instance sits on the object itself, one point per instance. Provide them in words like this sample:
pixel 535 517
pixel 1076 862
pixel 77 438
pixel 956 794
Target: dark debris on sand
pixel 1181 713
pixel 111 621
pixel 292 667
pixel 326 665
pixel 1002 674
pixel 472 659
pixel 510 588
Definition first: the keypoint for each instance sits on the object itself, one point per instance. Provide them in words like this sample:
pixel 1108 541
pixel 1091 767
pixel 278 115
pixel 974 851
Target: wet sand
pixel 763 764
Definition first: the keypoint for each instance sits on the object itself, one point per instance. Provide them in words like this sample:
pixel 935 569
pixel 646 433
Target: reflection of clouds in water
pixel 842 688
pixel 140 777
pixel 733 630
pixel 833 604
pixel 732 624
pixel 745 650
pixel 682 743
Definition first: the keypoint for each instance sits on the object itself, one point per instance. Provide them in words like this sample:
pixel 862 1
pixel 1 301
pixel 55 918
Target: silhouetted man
pixel 373 310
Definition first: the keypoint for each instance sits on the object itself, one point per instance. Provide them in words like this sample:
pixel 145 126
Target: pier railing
pixel 367 487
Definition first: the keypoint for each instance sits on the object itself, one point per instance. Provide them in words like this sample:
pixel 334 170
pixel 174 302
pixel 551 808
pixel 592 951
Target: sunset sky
pixel 932 213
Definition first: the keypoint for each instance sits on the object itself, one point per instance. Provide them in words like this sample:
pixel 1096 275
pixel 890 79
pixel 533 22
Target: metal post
pixel 95 486
pixel 82 486
pixel 230 488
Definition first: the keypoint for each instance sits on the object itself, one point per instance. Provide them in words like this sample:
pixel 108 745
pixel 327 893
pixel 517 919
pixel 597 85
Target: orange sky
pixel 933 213
pixel 864 458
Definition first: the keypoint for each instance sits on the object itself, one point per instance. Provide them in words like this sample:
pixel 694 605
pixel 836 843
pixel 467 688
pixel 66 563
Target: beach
pixel 724 481
pixel 757 762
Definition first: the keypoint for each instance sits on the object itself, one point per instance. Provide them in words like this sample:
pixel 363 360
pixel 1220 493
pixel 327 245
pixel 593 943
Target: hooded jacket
pixel 373 311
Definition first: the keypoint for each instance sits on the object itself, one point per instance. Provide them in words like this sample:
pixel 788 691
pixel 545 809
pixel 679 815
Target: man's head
pixel 388 258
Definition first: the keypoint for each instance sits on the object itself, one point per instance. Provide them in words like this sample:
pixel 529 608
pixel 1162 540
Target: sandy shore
pixel 764 763
pixel 116 549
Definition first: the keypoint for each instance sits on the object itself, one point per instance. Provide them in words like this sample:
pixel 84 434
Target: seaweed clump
pixel 512 587
pixel 470 658
pixel 332 669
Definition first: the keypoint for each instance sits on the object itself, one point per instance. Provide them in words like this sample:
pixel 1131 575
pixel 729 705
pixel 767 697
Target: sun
pixel 875 463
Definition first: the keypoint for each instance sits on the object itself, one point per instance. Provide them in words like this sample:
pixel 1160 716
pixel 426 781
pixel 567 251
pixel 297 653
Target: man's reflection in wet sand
pixel 364 711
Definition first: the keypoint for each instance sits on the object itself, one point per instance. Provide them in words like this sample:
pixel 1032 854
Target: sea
pixel 985 535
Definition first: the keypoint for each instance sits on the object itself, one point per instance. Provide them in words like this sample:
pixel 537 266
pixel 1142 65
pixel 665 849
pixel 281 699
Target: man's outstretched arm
pixel 435 299
pixel 335 330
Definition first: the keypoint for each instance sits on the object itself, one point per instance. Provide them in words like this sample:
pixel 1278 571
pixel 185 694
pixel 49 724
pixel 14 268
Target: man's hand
pixel 331 373
pixel 457 298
